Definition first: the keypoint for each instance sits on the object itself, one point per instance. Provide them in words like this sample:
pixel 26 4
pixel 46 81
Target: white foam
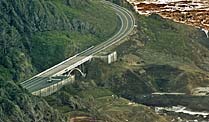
pixel 206 32
pixel 181 109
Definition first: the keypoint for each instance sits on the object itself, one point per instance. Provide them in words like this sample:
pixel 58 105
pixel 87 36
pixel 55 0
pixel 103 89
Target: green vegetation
pixel 49 45
pixel 35 35
pixel 91 25
pixel 162 56
pixel 47 32
pixel 176 41
pixel 157 58
pixel 16 105
pixel 88 99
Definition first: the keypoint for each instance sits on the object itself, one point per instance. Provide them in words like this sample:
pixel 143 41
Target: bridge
pixel 50 80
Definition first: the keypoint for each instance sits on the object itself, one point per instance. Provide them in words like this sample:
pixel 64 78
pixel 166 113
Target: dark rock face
pixel 17 106
pixel 31 16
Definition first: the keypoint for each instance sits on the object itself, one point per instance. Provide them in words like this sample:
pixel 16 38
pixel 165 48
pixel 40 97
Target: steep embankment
pixel 36 34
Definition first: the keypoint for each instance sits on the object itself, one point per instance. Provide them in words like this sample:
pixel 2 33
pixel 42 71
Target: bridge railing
pixel 74 65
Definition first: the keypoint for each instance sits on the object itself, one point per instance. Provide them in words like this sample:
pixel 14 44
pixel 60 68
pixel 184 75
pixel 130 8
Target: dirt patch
pixel 82 119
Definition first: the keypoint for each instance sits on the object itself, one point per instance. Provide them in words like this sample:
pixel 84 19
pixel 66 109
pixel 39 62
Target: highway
pixel 40 81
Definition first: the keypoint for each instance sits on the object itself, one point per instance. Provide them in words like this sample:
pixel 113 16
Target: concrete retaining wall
pixel 53 88
pixel 108 58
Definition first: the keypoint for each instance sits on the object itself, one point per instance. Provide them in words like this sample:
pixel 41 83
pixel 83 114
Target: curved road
pixel 127 25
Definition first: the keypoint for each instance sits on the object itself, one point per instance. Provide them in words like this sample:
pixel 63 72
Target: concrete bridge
pixel 50 80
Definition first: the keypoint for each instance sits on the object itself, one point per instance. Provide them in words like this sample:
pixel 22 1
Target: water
pixel 182 112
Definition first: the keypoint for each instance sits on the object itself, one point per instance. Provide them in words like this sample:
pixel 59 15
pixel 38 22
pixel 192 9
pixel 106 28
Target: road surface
pixel 40 81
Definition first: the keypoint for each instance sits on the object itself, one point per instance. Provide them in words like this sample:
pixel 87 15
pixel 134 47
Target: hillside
pixel 160 56
pixel 36 34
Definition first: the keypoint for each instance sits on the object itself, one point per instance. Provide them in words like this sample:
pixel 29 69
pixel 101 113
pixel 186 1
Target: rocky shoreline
pixel 195 13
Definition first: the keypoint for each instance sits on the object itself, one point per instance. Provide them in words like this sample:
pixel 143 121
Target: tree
pixel 9 39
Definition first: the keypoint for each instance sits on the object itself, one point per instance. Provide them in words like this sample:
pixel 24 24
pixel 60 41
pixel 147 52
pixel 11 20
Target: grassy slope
pixel 52 47
pixel 173 44
pixel 87 99
pixel 177 45
pixel 171 55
